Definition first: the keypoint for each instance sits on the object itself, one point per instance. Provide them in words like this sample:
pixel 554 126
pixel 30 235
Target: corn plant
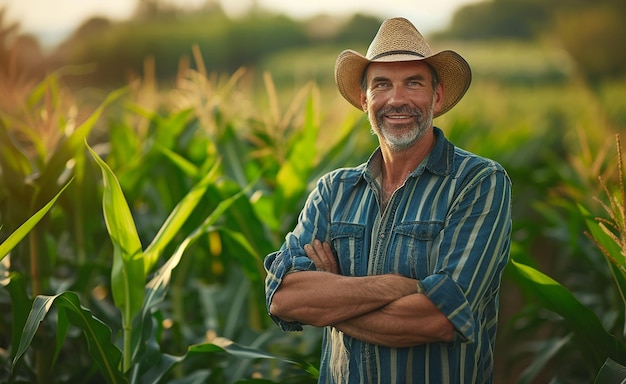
pixel 603 351
pixel 12 282
pixel 113 344
pixel 610 236
pixel 191 305
pixel 41 143
pixel 139 359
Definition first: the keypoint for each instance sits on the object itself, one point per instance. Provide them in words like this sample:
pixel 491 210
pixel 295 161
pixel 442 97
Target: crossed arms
pixel 382 309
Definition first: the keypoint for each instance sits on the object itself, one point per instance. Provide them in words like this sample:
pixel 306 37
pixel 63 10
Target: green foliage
pixel 128 270
pixel 360 29
pixel 157 242
pixel 590 36
pixel 24 229
pixel 141 331
pixel 114 52
pixel 588 31
pixel 120 49
pixel 98 335
pixel 611 373
pixel 500 63
pixel 523 20
pixel 604 352
pixel 597 344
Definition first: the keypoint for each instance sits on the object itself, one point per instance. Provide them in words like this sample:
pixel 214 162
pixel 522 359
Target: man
pixel 400 259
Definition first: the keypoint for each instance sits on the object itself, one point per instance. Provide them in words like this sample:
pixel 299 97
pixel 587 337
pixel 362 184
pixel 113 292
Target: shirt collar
pixel 440 160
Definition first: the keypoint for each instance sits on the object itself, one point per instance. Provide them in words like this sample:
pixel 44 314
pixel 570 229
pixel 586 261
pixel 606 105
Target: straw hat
pixel 398 40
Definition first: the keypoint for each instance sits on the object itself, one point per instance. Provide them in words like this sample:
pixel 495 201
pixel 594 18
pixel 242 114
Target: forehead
pixel 397 68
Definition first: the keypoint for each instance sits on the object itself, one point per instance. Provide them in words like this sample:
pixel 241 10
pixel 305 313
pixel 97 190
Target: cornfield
pixel 134 222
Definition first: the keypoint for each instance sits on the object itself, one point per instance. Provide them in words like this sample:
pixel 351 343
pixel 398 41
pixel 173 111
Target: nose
pixel 398 96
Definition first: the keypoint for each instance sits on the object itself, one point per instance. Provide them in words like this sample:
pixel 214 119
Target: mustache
pixel 403 110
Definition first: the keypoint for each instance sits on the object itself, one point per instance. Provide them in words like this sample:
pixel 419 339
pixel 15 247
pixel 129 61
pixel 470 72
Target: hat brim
pixel 454 74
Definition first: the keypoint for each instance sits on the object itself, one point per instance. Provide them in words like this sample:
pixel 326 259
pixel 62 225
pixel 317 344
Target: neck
pixel 397 165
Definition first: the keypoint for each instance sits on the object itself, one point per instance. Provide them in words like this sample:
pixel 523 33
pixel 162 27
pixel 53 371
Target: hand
pixel 323 256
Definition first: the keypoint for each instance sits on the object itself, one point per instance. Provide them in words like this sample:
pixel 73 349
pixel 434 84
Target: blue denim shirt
pixel 448 226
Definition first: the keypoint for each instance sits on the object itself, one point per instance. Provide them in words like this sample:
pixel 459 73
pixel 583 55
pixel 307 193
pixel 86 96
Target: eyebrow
pixel 379 79
pixel 418 77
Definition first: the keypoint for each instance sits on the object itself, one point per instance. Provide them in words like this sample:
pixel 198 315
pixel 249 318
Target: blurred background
pixel 252 82
pixel 111 40
pixel 166 29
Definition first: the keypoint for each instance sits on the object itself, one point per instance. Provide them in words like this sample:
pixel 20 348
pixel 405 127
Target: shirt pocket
pixel 347 241
pixel 413 242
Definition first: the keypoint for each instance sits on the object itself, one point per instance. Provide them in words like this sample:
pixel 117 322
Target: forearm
pixel 408 321
pixel 320 298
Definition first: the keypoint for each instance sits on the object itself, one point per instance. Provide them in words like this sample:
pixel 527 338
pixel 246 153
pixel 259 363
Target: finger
pixel 323 262
pixel 325 254
pixel 318 246
pixel 312 254
pixel 329 251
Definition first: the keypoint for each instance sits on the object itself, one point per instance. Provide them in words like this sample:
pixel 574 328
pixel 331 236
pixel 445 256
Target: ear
pixel 438 98
pixel 363 101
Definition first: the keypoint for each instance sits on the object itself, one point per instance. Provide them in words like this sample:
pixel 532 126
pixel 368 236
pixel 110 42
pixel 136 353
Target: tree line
pixel 106 53
pixel 590 31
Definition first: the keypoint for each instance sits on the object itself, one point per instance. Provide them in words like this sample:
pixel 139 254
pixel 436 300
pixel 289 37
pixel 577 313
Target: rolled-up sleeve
pixel 471 252
pixel 278 265
pixel 312 224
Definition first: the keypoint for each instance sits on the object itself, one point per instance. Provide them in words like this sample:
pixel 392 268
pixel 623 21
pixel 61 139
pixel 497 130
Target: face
pixel 400 102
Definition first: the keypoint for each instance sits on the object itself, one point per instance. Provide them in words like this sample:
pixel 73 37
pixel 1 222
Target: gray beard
pixel 405 141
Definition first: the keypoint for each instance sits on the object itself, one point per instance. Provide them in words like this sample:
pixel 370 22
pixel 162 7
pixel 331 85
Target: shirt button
pixel 382 235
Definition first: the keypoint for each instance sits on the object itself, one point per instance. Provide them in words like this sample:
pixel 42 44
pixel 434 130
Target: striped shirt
pixel 448 226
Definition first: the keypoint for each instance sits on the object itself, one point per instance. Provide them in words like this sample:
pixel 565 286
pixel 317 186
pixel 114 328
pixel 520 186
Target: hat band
pixel 396 53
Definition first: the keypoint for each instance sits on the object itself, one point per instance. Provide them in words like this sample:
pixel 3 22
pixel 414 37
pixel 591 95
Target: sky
pixel 52 20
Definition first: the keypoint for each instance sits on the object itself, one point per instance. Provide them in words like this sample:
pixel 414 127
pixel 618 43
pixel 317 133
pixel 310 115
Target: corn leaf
pixel 20 303
pixel 49 85
pixel 604 240
pixel 612 251
pixel 177 218
pixel 23 230
pixel 187 167
pixel 611 373
pixel 597 342
pixel 170 128
pixel 251 220
pixel 149 364
pixel 125 145
pixel 159 363
pixel 294 174
pixel 98 335
pixel 544 354
pixel 343 149
pixel 69 147
pixel 157 287
pixel 63 325
pixel 243 252
pixel 234 153
pixel 222 345
pixel 127 275
pixel 14 163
